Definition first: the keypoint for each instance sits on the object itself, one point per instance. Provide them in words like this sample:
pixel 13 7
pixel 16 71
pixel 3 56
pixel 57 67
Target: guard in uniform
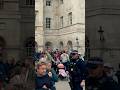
pixel 97 79
pixel 76 69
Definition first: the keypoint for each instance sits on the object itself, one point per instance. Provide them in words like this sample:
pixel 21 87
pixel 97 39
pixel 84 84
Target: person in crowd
pixel 118 75
pixel 97 78
pixel 42 79
pixel 10 64
pixel 29 73
pixel 52 74
pixel 3 73
pixel 61 72
pixel 57 55
pixel 17 80
pixel 76 69
pixel 109 71
pixel 64 58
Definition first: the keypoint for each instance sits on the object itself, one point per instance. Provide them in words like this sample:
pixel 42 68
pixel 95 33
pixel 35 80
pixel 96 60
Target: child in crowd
pixel 43 81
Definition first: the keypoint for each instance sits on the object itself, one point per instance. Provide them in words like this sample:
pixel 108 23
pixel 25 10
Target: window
pixel 30 2
pixel 61 1
pixel 1 4
pixel 36 18
pixel 30 46
pixel 48 22
pixel 70 18
pixel 61 21
pixel 48 2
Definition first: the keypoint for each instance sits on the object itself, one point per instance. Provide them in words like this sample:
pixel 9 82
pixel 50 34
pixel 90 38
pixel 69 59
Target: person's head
pixel 108 69
pixel 95 67
pixel 28 61
pixel 64 51
pixel 41 68
pixel 74 55
pixel 49 65
pixel 11 60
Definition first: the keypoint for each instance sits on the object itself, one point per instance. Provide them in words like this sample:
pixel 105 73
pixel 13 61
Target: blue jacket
pixel 41 81
pixel 54 77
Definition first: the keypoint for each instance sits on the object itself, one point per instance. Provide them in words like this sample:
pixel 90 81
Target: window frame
pixel 48 2
pixel 61 22
pixel 29 2
pixel 61 1
pixel 1 4
pixel 70 21
pixel 48 22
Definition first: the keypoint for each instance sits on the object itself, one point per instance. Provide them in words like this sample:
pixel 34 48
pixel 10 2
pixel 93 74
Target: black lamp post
pixel 77 42
pixel 100 31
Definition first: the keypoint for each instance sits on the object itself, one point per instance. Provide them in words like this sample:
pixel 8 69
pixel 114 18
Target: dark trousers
pixel 65 64
pixel 75 86
pixel 53 88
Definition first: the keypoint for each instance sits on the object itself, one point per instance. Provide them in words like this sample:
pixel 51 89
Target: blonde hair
pixel 40 64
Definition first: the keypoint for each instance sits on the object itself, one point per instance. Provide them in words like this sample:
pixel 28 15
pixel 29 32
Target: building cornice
pixel 75 28
pixel 68 26
pixel 104 10
pixel 11 1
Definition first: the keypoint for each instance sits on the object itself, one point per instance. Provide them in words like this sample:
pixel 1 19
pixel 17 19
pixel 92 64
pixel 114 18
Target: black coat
pixel 102 83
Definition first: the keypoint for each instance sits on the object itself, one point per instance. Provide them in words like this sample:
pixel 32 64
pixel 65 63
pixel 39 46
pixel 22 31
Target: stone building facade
pixel 102 30
pixel 16 27
pixel 39 34
pixel 63 24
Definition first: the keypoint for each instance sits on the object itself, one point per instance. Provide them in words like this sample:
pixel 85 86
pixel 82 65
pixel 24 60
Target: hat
pixel 74 51
pixel 108 65
pixel 93 62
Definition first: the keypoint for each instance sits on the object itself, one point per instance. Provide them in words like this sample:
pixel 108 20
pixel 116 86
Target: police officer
pixel 97 79
pixel 76 69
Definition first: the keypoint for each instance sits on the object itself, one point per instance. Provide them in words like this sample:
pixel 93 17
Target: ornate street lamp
pixel 77 42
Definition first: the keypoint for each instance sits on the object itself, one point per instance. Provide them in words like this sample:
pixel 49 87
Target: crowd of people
pixel 93 73
pixel 17 75
pixel 42 71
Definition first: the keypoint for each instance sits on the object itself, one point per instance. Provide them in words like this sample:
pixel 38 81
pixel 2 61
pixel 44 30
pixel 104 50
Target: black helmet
pixel 93 62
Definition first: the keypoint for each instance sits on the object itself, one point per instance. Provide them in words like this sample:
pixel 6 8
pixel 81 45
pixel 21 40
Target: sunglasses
pixel 73 53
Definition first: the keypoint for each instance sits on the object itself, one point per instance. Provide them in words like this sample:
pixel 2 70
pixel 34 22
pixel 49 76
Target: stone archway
pixel 69 45
pixel 48 45
pixel 61 45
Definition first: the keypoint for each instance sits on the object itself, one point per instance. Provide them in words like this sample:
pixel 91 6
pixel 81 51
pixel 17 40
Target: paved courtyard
pixel 62 85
